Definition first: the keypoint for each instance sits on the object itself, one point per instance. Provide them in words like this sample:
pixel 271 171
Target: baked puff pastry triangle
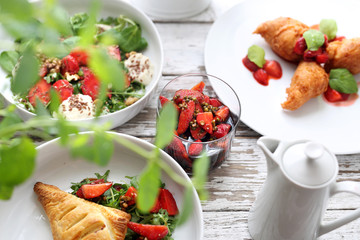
pixel 73 218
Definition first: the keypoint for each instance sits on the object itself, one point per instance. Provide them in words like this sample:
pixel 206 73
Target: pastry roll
pixel 344 54
pixel 309 81
pixel 75 218
pixel 282 34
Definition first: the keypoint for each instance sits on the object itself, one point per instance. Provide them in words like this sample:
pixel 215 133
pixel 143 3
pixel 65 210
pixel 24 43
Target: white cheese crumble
pixel 140 68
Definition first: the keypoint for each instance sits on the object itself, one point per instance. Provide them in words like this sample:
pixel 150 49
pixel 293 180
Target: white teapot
pixel 291 204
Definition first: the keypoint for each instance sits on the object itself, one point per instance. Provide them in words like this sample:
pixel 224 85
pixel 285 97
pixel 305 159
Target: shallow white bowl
pixel 23 217
pixel 154 51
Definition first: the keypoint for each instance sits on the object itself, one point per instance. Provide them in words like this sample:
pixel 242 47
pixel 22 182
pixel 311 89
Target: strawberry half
pixel 168 202
pixel 178 151
pixel 80 55
pixel 222 130
pixel 334 96
pixel 91 85
pixel 204 121
pixel 222 114
pixel 70 65
pixel 215 102
pixel 273 69
pixel 199 87
pixel 261 77
pixel 195 148
pixel 164 100
pixel 198 133
pixel 151 232
pixel 182 93
pixel 249 64
pixel 64 88
pixel 95 190
pixel 41 90
pixel 186 115
pixel 132 193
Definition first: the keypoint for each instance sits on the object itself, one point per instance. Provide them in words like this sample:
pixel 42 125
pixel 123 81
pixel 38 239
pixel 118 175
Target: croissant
pixel 75 218
pixel 309 81
pixel 281 34
pixel 344 54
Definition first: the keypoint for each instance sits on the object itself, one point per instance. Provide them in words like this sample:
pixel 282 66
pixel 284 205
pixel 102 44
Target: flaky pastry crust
pixel 73 218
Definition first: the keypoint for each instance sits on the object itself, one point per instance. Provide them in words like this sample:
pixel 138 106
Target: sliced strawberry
pixel 151 232
pixel 168 202
pixel 95 190
pixel 198 133
pixel 273 69
pixel 70 65
pixel 91 86
pixel 41 90
pixel 80 55
pixel 43 71
pixel 186 115
pixel 156 207
pixel 164 100
pixel 199 87
pixel 182 93
pixel 205 99
pixel 114 52
pixel 132 193
pixel 87 73
pixel 311 55
pixel 249 64
pixel 322 58
pixel 204 121
pixel 178 151
pixel 215 102
pixel 261 77
pixel 195 148
pixel 64 88
pixel 222 130
pixel 332 95
pixel 300 46
pixel 79 193
pixel 222 114
pixel 198 107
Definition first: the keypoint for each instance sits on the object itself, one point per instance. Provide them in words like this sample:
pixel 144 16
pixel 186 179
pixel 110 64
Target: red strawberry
pixel 198 107
pixel 168 202
pixel 178 151
pixel 64 88
pixel 132 193
pixel 334 96
pixel 151 232
pixel 180 94
pixel 43 71
pixel 79 193
pixel 311 55
pixel 186 115
pixel 95 190
pixel 80 55
pixel 205 99
pixel 249 64
pixel 273 69
pixel 195 148
pixel 215 102
pixel 300 46
pixel 114 52
pixel 222 114
pixel 41 90
pixel 199 87
pixel 204 121
pixel 222 130
pixel 91 86
pixel 164 100
pixel 322 58
pixel 198 133
pixel 261 77
pixel 156 207
pixel 70 65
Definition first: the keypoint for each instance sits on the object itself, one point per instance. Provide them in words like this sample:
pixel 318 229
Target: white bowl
pixel 23 217
pixel 154 51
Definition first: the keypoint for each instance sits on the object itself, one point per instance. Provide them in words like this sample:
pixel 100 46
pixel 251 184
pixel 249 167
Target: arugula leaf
pixel 8 60
pixel 256 55
pixel 328 27
pixel 314 39
pixel 165 126
pixel 342 81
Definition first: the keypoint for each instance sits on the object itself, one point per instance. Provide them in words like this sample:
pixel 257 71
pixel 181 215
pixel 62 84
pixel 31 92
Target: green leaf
pixel 107 69
pixel 342 81
pixel 6 192
pixel 17 9
pixel 88 31
pixel 40 109
pixel 55 101
pixel 314 39
pixel 200 173
pixel 165 126
pixel 65 129
pixel 187 207
pixel 328 27
pixel 26 75
pixel 78 22
pixel 15 168
pixel 8 60
pixel 149 186
pixel 57 18
pixel 256 55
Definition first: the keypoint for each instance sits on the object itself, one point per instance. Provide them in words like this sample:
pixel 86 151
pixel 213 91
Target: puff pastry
pixel 75 218
pixel 281 34
pixel 344 54
pixel 309 81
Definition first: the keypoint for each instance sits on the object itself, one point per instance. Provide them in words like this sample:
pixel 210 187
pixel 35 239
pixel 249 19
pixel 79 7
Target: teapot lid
pixel 309 163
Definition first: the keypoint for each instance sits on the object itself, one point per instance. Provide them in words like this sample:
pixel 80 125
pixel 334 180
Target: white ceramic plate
pixel 154 51
pixel 226 45
pixel 23 217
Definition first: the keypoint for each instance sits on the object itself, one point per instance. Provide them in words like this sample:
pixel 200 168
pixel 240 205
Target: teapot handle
pixel 346 186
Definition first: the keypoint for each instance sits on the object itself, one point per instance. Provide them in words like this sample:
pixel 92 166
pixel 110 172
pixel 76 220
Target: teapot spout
pixel 269 146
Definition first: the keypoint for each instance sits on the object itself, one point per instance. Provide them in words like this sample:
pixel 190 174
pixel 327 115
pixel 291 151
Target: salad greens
pixel 113 198
pixel 314 39
pixel 342 81
pixel 328 27
pixel 256 55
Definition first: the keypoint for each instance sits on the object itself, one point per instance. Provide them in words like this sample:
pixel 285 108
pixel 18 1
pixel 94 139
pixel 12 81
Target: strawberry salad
pixel 76 83
pixel 157 225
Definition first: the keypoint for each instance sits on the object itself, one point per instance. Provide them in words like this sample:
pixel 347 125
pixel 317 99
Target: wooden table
pixel 234 186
